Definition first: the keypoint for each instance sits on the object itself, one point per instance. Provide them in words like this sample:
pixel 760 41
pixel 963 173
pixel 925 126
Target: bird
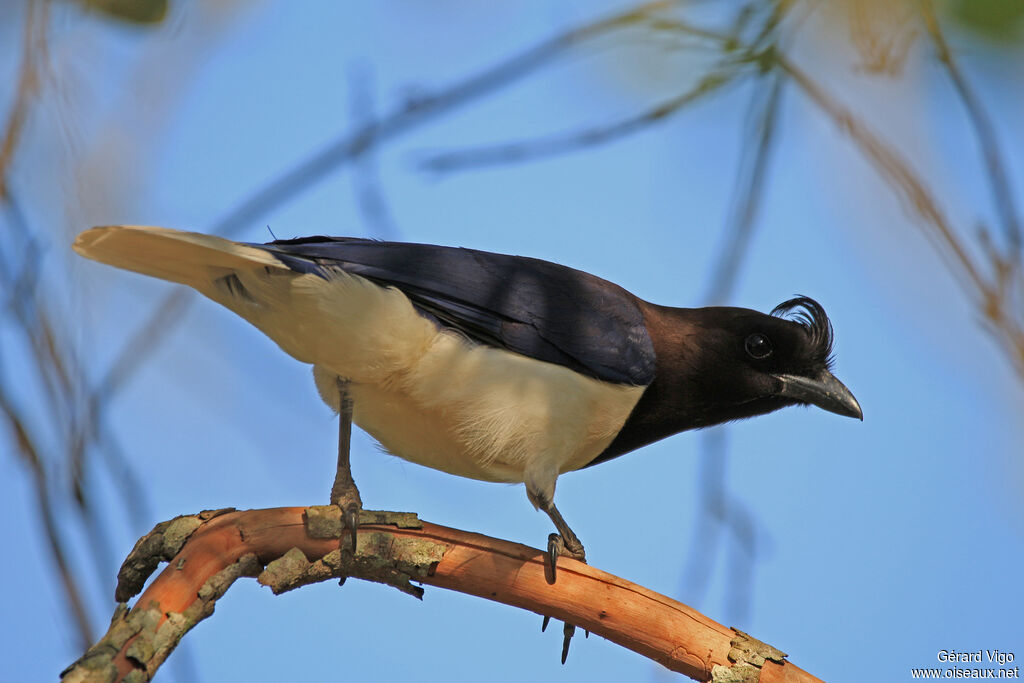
pixel 491 366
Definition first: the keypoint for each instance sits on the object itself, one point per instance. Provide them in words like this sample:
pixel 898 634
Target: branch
pixel 60 374
pixel 983 129
pixel 991 294
pixel 289 547
pixel 746 202
pixel 36 17
pixel 32 457
pixel 719 510
pixel 370 198
pixel 563 143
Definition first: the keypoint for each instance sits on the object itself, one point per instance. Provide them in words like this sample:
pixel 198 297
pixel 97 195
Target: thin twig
pixel 988 295
pixel 1001 307
pixel 365 178
pixel 62 378
pixel 1001 317
pixel 139 347
pixel 749 190
pixel 892 166
pixel 36 16
pixel 983 129
pixel 562 143
pixel 26 446
pixel 895 169
pixel 718 508
pixel 736 55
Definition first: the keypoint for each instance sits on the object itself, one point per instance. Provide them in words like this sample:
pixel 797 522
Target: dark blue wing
pixel 539 309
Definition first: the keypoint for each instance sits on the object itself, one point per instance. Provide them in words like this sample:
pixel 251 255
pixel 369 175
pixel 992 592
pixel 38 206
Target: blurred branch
pixel 992 296
pixel 529 150
pixel 49 355
pixel 719 509
pixel 33 44
pixel 757 148
pixel 736 57
pixel 291 547
pixel 30 454
pixel 140 346
pixel 365 178
pixel 61 376
pixel 983 129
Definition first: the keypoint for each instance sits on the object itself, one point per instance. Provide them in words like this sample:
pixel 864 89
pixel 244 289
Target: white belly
pixel 485 413
pixel 429 395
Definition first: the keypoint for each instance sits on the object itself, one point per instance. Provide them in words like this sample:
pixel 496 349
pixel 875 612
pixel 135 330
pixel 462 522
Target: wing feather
pixel 536 308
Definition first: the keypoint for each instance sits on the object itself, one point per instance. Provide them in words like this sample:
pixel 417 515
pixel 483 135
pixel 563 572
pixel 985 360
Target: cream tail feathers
pixel 425 392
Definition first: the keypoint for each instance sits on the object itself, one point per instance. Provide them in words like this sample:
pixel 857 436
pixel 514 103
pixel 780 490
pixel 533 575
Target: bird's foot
pixel 558 545
pixel 333 521
pixel 347 498
pixel 350 515
pixel 571 547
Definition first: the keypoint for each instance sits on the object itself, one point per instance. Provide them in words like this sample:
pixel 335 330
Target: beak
pixel 825 391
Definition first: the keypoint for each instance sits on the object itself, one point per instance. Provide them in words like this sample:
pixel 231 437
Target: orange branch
pixel 290 547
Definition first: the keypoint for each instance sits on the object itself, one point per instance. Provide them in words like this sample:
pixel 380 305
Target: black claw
pixel 555 545
pixel 352 522
pixel 544 624
pixel 568 630
pixel 586 633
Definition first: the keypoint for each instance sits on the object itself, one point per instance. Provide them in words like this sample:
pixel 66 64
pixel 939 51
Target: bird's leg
pixel 565 542
pixel 344 493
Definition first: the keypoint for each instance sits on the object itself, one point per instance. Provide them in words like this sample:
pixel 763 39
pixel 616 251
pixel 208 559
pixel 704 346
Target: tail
pixel 341 321
pixel 189 258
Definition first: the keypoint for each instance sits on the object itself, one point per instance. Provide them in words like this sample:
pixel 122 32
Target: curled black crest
pixel 809 313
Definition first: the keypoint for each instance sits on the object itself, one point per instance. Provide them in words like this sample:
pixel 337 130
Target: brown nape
pixel 698 382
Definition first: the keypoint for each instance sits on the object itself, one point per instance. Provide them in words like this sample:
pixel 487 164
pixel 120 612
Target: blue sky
pixel 878 543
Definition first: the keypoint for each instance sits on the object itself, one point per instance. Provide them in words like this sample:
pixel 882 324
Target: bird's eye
pixel 758 346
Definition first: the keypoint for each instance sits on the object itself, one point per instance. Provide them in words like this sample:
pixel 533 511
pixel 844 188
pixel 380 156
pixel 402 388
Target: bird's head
pixel 751 363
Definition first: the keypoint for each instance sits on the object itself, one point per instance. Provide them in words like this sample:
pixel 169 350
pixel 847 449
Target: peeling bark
pixel 286 548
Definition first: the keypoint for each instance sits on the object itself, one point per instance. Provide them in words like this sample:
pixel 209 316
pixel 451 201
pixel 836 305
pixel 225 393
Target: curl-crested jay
pixel 494 367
